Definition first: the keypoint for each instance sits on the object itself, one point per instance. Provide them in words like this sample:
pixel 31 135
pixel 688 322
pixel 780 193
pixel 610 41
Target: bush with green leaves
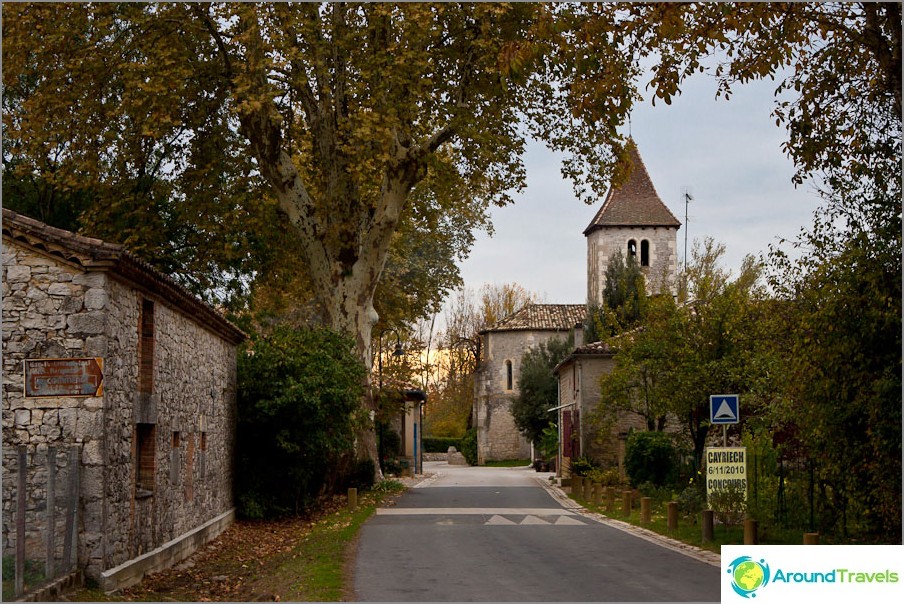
pixel 650 457
pixel 469 446
pixel 583 466
pixel 299 393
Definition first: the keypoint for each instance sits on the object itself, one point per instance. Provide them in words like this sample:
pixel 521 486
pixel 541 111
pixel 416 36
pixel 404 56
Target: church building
pixel 632 219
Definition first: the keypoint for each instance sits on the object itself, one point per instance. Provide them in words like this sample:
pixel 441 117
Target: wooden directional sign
pixel 64 377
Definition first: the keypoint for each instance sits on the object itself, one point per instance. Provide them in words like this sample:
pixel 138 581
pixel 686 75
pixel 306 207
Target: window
pixel 645 253
pixel 509 375
pixel 145 458
pixel 632 248
pixel 146 349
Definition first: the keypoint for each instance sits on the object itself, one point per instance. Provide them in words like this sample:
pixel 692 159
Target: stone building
pixel 156 435
pixel 496 383
pixel 632 220
pixel 579 376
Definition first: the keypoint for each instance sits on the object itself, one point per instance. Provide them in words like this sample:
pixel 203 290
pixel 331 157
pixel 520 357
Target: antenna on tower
pixel 686 192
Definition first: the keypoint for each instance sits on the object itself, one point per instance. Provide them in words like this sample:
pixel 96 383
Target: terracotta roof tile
pixel 600 348
pixel 542 317
pixel 635 203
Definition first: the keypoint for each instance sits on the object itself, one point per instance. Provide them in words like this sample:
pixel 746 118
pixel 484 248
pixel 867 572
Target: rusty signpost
pixel 64 377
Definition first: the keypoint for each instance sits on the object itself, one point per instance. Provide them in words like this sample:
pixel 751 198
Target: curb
pixel 691 551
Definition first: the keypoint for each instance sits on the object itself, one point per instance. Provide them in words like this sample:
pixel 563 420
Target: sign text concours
pixel 64 377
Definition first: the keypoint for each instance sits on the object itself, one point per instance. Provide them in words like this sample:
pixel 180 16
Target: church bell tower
pixel 633 220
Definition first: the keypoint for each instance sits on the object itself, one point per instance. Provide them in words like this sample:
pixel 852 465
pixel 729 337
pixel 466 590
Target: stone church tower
pixel 634 221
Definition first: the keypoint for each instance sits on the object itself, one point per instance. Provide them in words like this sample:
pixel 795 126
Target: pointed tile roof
pixel 634 203
pixel 542 317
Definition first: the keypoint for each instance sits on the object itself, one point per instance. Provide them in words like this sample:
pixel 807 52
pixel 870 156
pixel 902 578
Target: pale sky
pixel 727 153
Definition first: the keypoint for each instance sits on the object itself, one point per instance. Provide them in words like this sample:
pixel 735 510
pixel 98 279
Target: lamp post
pixel 398 351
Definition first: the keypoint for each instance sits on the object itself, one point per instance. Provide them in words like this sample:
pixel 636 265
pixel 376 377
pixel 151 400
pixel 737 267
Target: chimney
pixel 578 335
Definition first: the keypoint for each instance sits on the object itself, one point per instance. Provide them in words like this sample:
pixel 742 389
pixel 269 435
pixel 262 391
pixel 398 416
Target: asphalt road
pixel 496 535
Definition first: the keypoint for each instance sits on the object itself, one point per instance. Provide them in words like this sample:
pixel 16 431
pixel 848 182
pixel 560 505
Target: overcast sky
pixel 727 153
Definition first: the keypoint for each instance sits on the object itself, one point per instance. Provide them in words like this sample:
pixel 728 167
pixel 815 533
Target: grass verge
pixel 690 531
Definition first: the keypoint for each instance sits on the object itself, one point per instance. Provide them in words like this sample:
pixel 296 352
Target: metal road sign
pixel 64 377
pixel 723 409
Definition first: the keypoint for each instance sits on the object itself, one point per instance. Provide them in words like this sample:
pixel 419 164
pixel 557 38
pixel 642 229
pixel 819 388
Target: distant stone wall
pixel 497 436
pixel 55 310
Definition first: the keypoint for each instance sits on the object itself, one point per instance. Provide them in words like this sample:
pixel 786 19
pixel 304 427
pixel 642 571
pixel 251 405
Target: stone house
pixel 156 436
pixel 632 220
pixel 579 376
pixel 496 382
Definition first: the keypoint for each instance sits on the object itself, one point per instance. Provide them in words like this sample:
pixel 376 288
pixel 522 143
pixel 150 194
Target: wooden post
pixel 610 500
pixel 51 511
pixel 750 536
pixel 626 503
pixel 588 489
pixel 707 526
pixel 597 494
pixel 811 538
pixel 645 512
pixel 577 486
pixel 673 516
pixel 20 520
pixel 352 499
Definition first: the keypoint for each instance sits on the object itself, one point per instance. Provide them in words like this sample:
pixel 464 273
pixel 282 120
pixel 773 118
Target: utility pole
pixel 687 198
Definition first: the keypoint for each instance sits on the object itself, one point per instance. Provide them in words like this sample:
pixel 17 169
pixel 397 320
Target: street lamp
pixel 398 351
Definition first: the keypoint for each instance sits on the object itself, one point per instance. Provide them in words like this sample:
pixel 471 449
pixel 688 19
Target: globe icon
pixel 748 575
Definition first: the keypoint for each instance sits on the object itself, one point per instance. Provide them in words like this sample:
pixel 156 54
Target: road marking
pixel 565 520
pixel 533 520
pixel 499 520
pixel 473 511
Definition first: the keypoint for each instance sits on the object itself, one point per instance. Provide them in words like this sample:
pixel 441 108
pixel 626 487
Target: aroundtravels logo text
pixel 749 575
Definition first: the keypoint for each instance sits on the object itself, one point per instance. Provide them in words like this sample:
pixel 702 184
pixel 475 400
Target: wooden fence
pixel 44 519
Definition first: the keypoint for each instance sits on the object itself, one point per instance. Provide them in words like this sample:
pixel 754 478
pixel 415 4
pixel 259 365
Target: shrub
pixel 298 399
pixel 650 457
pixel 608 478
pixel 583 466
pixel 469 446
pixel 691 501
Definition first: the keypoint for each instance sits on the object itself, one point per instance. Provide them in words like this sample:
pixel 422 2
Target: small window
pixel 177 440
pixel 145 457
pixel 509 376
pixel 632 248
pixel 645 253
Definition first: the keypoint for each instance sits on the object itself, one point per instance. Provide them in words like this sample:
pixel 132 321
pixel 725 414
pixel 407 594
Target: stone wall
pixel 50 310
pixel 497 436
pixel 663 268
pixel 55 310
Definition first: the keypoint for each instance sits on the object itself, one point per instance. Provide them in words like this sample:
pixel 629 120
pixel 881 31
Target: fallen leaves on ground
pixel 235 566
